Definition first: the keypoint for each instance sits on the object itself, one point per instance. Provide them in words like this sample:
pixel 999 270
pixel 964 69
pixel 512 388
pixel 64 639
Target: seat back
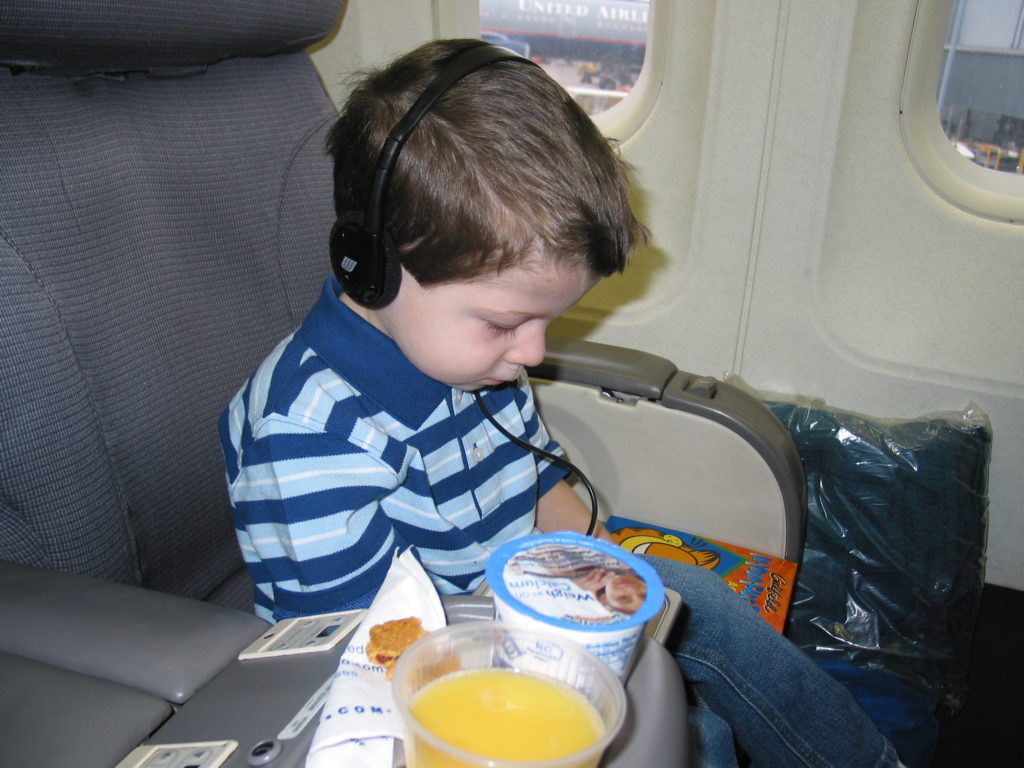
pixel 165 204
pixel 669 448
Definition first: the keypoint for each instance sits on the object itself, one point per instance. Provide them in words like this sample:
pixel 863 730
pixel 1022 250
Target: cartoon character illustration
pixel 617 589
pixel 649 541
pixel 607 582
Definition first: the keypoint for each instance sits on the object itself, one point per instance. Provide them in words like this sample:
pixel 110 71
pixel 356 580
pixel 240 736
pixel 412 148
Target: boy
pixel 360 433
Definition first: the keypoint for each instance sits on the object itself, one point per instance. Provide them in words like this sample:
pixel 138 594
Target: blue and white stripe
pixel 338 450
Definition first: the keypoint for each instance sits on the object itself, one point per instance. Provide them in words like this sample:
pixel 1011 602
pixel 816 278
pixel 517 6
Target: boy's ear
pixel 365 263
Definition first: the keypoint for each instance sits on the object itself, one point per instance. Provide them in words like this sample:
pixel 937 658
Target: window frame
pixel 457 18
pixel 963 183
pixel 624 119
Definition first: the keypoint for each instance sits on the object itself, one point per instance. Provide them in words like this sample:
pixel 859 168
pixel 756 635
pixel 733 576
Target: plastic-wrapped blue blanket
pixel 893 568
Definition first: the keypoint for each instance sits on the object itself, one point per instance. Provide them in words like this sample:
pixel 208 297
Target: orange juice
pixel 503 715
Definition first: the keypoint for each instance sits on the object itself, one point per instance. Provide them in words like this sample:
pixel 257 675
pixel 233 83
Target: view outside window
pixel 594 48
pixel 981 90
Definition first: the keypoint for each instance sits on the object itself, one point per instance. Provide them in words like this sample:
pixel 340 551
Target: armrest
pixel 55 717
pixel 617 369
pixel 749 418
pixel 159 643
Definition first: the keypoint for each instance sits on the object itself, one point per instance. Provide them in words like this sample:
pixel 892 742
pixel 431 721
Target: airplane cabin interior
pixel 815 357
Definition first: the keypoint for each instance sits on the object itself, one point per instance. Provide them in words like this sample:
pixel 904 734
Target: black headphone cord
pixel 553 458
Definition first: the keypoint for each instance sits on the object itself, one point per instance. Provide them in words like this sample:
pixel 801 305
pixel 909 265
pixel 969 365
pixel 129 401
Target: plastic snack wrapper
pixel 359 721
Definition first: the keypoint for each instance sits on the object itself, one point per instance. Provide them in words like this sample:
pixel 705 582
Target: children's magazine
pixel 765 581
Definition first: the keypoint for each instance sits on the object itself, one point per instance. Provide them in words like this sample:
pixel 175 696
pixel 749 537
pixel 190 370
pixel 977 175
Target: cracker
pixel 389 639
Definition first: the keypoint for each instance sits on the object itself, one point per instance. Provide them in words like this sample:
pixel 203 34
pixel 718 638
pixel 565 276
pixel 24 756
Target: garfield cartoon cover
pixel 766 582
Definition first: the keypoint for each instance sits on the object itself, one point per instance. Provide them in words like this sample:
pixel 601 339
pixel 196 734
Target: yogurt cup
pixel 592 591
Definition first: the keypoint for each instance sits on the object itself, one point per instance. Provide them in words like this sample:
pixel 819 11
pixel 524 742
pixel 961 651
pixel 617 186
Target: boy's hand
pixel 601 532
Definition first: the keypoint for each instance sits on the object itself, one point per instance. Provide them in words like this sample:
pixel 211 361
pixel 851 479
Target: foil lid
pixel 575 581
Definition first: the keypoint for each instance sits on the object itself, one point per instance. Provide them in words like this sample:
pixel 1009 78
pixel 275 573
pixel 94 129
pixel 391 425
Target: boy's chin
pixel 476 386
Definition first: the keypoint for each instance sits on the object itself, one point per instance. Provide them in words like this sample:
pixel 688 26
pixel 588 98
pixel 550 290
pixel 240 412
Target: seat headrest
pixel 71 37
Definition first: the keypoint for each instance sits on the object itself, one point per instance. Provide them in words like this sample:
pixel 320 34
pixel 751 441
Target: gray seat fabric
pixel 69 37
pixel 165 203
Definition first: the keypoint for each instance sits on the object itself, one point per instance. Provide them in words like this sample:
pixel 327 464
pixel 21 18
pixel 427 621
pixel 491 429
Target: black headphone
pixel 363 254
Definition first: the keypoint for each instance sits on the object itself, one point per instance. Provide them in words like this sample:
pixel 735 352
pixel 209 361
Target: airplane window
pixel 962 106
pixel 594 48
pixel 980 98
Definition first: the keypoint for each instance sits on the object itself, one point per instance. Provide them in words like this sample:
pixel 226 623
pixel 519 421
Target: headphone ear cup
pixel 341 244
pixel 392 271
pixel 366 264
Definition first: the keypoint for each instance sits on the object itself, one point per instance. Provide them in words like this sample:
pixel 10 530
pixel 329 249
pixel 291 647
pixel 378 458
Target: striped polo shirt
pixel 338 450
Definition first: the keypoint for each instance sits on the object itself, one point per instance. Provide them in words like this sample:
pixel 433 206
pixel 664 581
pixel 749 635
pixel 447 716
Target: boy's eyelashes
pixel 503 331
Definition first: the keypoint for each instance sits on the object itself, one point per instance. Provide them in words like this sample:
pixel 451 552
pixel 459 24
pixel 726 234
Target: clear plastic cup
pixel 537 658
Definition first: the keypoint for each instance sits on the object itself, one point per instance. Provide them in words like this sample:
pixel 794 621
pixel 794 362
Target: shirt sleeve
pixel 309 519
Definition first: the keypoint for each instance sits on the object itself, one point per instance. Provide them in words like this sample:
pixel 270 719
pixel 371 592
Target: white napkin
pixel 359 721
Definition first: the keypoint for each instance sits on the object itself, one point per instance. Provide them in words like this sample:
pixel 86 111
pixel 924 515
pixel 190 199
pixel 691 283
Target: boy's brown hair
pixel 504 163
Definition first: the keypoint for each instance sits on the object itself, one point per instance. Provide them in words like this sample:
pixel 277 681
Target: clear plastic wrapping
pixel 893 568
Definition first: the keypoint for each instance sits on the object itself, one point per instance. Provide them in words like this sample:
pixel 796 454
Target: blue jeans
pixel 760 689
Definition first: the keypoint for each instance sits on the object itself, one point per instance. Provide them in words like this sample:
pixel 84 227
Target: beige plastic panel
pixel 660 465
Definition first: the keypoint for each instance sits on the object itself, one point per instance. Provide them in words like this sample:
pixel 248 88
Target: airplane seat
pixel 165 197
pixel 163 182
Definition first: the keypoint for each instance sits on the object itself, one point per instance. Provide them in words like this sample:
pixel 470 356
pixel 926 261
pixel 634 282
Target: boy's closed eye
pixel 503 331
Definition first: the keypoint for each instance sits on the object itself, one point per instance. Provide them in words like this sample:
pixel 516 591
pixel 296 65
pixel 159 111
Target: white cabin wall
pixel 818 262
pixel 864 287
pixel 794 243
pixel 371 33
pixel 870 290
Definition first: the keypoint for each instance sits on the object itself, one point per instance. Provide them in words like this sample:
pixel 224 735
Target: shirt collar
pixel 369 359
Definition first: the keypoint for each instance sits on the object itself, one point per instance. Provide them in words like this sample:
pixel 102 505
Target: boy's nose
pixel 529 349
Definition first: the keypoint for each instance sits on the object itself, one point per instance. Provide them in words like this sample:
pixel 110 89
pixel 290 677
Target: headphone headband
pixel 362 254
